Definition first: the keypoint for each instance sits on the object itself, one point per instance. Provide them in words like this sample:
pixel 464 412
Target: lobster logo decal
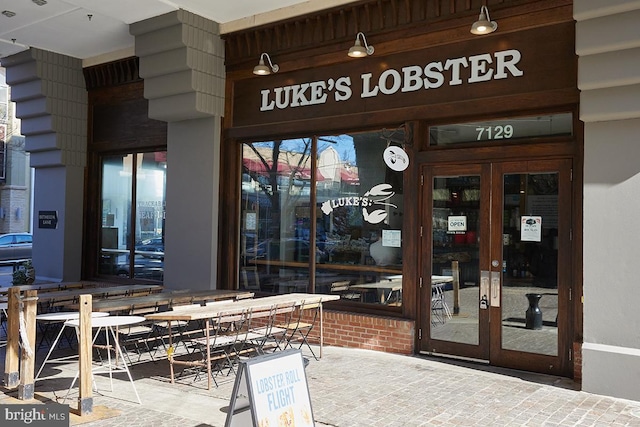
pixel 376 196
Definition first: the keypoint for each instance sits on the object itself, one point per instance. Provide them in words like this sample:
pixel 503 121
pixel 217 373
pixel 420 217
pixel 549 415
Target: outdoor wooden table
pixel 176 297
pixel 384 289
pixel 213 310
pixel 70 296
pixel 438 280
pixel 55 286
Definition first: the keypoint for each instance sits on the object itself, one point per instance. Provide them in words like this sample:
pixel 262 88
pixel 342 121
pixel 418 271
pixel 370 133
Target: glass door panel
pixel 133 208
pixel 117 176
pixel 149 215
pixel 454 313
pixel 530 263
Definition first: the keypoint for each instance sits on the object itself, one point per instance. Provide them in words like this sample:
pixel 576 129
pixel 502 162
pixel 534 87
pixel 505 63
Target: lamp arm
pixel 364 41
pixel 486 11
pixel 273 66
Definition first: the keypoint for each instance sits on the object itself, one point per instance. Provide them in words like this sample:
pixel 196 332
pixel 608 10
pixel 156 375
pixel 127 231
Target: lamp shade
pixel 484 24
pixel 262 69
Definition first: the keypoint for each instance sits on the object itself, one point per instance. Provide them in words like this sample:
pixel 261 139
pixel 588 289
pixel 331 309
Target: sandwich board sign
pixel 270 391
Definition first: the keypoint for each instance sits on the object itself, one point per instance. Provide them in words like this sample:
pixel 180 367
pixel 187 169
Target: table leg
pixel 124 362
pixel 106 334
pixel 53 346
pixel 170 350
pixel 206 323
pixel 75 378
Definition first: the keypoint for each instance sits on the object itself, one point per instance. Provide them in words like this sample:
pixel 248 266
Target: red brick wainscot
pixel 577 362
pixel 355 330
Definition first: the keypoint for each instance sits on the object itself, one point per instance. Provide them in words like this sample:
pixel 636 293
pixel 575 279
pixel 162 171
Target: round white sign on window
pixel 396 158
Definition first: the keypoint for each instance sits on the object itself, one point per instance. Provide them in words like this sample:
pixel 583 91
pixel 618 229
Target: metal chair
pixel 227 330
pixel 297 330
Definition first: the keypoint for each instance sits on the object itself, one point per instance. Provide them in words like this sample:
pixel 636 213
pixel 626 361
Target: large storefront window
pixel 133 207
pixel 323 214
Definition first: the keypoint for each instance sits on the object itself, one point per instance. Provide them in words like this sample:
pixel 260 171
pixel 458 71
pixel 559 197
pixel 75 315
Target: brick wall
pixel 577 361
pixel 13 197
pixel 353 330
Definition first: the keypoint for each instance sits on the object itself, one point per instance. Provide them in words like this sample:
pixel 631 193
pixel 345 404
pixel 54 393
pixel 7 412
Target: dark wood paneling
pixel 119 119
pixel 547 64
pixel 377 18
pixel 114 73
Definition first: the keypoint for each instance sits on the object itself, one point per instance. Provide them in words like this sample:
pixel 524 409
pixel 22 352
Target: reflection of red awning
pixel 285 169
pixel 347 175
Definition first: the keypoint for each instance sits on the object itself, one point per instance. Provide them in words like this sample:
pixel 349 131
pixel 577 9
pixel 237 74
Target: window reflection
pixel 132 241
pixel 276 189
pixel 353 233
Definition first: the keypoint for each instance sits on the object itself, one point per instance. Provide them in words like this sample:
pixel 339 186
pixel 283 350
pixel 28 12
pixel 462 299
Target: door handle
pixel 484 289
pixel 495 289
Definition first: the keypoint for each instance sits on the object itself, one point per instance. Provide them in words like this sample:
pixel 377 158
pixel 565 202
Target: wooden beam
pixel 28 354
pixel 12 362
pixel 85 397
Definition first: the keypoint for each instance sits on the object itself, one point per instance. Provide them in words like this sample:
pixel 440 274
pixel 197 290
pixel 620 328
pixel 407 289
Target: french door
pixel 498 253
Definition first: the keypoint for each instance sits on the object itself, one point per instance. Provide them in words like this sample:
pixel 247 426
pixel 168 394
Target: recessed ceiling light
pixel 40 2
pixel 8 13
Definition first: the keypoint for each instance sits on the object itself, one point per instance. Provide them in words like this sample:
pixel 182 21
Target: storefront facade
pixel 450 187
pixel 400 180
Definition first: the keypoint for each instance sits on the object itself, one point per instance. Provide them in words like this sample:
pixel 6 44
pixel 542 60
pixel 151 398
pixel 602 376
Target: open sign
pixel 457 223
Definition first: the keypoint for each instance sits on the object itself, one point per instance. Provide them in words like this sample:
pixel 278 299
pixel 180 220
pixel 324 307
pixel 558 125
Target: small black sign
pixel 47 219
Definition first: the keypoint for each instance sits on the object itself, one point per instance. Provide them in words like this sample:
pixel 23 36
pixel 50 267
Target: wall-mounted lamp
pixel 357 50
pixel 2 213
pixel 18 213
pixel 261 69
pixel 484 24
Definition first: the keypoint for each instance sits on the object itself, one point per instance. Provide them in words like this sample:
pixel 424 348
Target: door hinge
pixel 570 294
pixel 571 175
pixel 420 333
pixel 420 231
pixel 421 179
pixel 420 282
pixel 571 234
pixel 570 355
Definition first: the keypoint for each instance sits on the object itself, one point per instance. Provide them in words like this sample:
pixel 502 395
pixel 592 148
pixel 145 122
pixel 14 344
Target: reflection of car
pixel 151 248
pixel 143 268
pixel 15 246
pixel 288 249
pixel 256 251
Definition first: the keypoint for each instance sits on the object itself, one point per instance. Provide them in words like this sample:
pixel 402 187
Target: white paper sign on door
pixel 531 229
